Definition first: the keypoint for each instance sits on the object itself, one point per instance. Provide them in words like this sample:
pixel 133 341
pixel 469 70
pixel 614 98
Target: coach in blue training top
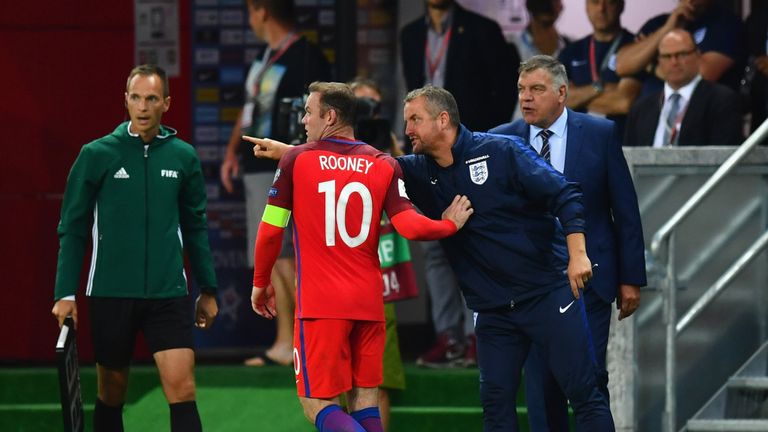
pixel 511 258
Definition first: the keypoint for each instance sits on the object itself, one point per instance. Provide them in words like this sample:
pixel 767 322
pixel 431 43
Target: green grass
pixel 225 409
pixel 238 398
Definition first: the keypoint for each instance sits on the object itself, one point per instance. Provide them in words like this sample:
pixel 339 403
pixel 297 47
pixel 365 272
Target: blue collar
pixel 343 141
pixel 463 140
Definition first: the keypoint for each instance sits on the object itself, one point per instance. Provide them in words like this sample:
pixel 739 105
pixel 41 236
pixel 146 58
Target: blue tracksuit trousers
pixel 557 324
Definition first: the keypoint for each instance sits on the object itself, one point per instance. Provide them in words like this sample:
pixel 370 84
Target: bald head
pixel 678 36
pixel 679 58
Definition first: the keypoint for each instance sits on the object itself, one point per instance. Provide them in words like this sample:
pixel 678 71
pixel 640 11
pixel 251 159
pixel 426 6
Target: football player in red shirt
pixel 336 189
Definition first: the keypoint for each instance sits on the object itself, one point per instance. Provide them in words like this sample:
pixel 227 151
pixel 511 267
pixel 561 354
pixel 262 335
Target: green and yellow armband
pixel 276 216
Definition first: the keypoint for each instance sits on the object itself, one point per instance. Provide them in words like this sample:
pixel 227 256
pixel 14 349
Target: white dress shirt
pixel 685 93
pixel 557 142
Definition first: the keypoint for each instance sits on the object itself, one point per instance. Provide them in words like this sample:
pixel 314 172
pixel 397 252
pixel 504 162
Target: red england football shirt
pixel 336 190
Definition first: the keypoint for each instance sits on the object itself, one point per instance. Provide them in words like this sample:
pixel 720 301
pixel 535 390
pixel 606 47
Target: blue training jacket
pixel 513 246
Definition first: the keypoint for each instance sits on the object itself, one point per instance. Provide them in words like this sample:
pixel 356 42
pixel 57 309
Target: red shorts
pixel 330 356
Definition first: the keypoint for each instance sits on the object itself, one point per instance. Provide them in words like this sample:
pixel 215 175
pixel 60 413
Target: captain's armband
pixel 276 216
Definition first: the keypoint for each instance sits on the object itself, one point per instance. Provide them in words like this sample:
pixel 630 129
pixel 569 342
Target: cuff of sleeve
pixel 69 298
pixel 575 225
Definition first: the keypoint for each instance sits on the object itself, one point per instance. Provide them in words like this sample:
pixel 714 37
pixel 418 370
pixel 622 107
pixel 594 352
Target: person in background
pixel 587 150
pixel 757 37
pixel 339 331
pixel 288 65
pixel 591 66
pixel 690 110
pixel 140 193
pixel 717 32
pixel 541 35
pixel 465 53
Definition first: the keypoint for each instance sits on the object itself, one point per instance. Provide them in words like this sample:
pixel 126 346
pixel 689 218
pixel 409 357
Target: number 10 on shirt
pixel 336 212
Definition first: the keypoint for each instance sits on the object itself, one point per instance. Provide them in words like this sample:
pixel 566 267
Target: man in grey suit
pixel 587 150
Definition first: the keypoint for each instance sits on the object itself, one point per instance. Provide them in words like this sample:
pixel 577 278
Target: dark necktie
pixel 545 134
pixel 670 135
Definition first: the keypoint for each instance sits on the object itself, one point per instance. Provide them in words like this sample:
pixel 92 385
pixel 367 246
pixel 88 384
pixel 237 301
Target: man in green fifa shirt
pixel 140 193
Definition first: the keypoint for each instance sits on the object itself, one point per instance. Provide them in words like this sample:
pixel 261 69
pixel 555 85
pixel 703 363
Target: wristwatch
pixel 598 86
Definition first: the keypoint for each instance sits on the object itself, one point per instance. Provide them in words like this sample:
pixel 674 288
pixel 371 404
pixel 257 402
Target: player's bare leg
pixel 327 415
pixel 312 406
pixel 363 397
pixel 176 368
pixel 364 408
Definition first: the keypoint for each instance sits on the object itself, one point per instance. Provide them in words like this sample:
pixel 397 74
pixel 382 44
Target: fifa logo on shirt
pixel 169 173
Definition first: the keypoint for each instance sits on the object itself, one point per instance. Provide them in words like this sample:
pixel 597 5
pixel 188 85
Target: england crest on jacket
pixel 478 169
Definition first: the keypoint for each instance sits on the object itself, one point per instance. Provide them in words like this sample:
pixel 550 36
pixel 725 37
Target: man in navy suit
pixel 586 150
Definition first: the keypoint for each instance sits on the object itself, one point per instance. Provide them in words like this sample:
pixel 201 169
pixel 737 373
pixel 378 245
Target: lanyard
pixel 432 66
pixel 678 120
pixel 676 128
pixel 606 59
pixel 267 61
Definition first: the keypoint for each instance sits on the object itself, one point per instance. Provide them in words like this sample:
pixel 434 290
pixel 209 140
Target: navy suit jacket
pixel 480 67
pixel 594 159
pixel 713 117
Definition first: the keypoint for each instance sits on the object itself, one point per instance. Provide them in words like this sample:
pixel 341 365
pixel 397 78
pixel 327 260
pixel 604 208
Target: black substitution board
pixel 69 378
